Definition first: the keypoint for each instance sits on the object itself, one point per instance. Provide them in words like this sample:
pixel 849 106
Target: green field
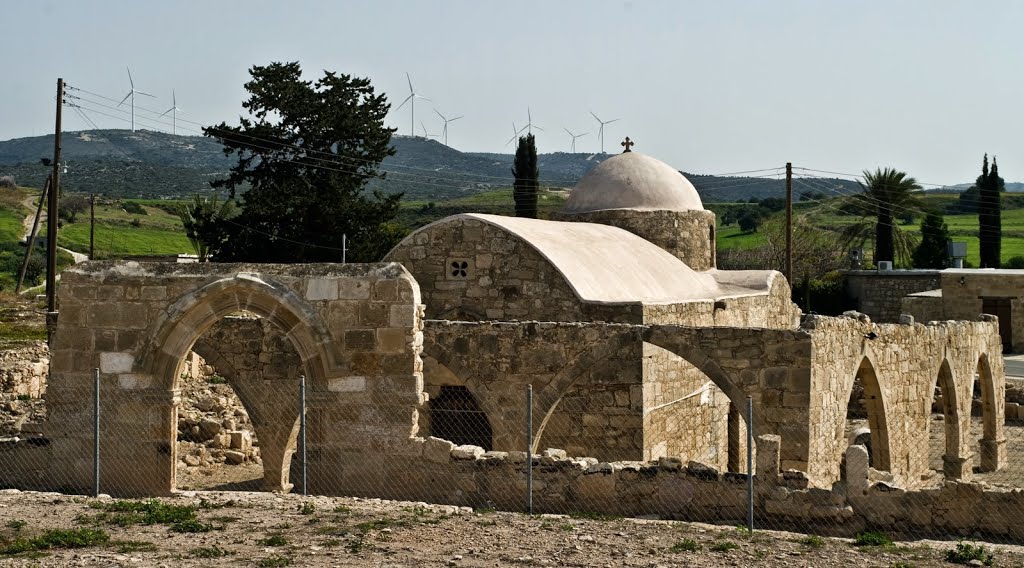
pixel 962 228
pixel 119 233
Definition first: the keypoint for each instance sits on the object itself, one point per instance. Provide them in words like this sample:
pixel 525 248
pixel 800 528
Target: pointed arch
pixel 952 419
pixel 875 404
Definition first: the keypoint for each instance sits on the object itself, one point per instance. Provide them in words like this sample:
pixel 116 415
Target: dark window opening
pixel 456 417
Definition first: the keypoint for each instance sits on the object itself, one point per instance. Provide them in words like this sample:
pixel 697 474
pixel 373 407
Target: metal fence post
pixel 529 449
pixel 302 428
pixel 750 464
pixel 96 433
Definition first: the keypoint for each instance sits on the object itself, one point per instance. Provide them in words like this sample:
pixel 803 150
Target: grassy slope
pixel 159 233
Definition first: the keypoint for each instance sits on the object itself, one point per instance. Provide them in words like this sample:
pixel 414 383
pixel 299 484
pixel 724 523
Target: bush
pixel 965 553
pixel 686 545
pixel 134 208
pixel 7 182
pixel 872 538
pixel 1014 262
pixel 135 223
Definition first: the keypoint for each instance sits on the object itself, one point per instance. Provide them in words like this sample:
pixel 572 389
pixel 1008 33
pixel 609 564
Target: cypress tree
pixel 989 215
pixel 524 188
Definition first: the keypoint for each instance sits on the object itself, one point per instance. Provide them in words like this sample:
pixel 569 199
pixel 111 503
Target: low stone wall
pixel 879 294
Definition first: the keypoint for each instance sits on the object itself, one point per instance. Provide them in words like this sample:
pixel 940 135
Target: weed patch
pixel 275 561
pixel 872 538
pixel 56 538
pixel 209 552
pixel 965 553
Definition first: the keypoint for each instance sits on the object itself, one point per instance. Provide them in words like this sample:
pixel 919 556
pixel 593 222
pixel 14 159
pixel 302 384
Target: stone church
pixel 633 244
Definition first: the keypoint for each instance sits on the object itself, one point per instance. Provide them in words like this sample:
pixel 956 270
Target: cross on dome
pixel 626 144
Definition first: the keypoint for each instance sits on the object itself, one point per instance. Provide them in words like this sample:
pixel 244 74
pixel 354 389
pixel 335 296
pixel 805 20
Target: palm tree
pixel 203 220
pixel 887 194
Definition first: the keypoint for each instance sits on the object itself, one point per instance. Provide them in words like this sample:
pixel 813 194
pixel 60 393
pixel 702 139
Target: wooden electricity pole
pixel 789 222
pixel 51 222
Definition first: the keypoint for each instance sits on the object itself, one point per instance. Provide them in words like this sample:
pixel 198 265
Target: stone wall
pixel 688 235
pixel 879 294
pixel 356 329
pixel 963 290
pixel 899 367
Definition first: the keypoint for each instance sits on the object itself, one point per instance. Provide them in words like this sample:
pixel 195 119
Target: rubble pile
pixel 213 426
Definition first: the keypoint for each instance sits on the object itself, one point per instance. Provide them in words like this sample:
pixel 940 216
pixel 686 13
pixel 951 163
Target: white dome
pixel 633 181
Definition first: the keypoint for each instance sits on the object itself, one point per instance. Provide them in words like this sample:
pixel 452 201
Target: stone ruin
pixel 416 372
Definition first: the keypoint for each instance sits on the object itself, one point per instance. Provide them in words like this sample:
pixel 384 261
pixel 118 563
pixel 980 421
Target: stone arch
pixel 548 398
pixel 953 463
pixel 481 407
pixel 277 441
pixel 172 335
pixel 992 443
pixel 876 406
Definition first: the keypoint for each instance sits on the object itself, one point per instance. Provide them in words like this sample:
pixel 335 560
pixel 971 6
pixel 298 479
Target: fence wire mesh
pixel 674 448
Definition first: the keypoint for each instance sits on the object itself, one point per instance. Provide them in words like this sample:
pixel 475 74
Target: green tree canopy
pixel 205 220
pixel 931 253
pixel 525 186
pixel 886 195
pixel 305 153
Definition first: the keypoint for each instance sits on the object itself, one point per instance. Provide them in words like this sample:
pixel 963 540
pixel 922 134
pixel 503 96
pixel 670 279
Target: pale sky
pixel 719 86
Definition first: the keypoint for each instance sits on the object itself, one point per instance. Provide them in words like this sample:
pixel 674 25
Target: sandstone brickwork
pixel 688 235
pixel 879 294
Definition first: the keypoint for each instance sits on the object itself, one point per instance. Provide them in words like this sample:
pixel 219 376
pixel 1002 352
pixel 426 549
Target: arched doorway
pixel 867 403
pixel 991 445
pixel 945 401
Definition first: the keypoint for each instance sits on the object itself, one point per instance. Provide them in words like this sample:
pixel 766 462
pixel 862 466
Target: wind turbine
pixel 174 113
pixel 515 133
pixel 413 95
pixel 600 131
pixel 131 94
pixel 444 133
pixel 574 137
pixel 426 134
pixel 529 123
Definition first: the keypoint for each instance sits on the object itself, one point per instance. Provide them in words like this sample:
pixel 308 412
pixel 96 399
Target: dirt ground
pixel 267 530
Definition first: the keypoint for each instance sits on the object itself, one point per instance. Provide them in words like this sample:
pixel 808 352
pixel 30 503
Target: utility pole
pixel 789 222
pixel 51 222
pixel 92 227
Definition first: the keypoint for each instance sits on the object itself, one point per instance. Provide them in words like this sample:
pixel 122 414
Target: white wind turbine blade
pixel 454 119
pixel 147 94
pixel 441 115
pixel 567 132
pixel 411 92
pixel 125 98
pixel 421 97
pixel 130 82
pixel 407 99
pixel 613 120
pixel 168 111
pixel 595 117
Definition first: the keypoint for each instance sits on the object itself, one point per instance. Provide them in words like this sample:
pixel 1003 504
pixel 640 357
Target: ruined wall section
pixel 586 378
pixel 355 327
pixel 963 290
pixel 774 310
pixel 687 235
pixel 906 360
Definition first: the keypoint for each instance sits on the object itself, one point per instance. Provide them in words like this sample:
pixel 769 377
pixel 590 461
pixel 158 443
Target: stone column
pixel 856 471
pixel 957 467
pixel 768 449
pixel 993 454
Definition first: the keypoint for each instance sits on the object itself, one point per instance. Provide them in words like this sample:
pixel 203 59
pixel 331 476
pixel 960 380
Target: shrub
pixel 965 553
pixel 7 182
pixel 135 223
pixel 1014 262
pixel 872 538
pixel 724 546
pixel 134 208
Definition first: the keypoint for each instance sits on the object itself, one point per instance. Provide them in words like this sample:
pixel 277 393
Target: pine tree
pixel 524 188
pixel 306 152
pixel 990 231
pixel 931 253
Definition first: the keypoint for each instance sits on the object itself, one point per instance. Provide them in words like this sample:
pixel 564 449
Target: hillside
pixel 157 165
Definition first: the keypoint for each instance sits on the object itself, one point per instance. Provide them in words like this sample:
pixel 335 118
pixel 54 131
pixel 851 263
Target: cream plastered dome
pixel 633 181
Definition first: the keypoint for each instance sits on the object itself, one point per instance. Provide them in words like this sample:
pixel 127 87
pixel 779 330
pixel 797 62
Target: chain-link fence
pixel 686 455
